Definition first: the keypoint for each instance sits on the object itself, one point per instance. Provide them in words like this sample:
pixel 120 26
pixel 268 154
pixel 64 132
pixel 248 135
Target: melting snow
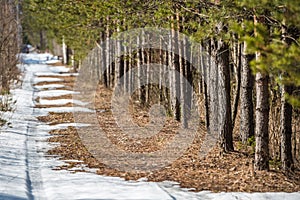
pixel 61 102
pixel 54 93
pixel 54 74
pixel 46 79
pixel 49 86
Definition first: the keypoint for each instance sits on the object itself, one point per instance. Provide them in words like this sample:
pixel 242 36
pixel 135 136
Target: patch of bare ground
pixel 67 78
pixel 66 96
pixel 140 117
pixel 56 118
pixel 216 172
pixel 61 88
pixel 67 81
pixel 55 106
pixel 67 84
pixel 57 64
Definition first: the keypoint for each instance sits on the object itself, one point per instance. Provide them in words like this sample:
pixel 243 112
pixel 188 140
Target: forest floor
pixel 217 172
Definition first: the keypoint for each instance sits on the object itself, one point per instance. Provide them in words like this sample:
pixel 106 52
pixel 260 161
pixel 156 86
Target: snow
pixel 46 79
pixel 59 69
pixel 27 171
pixel 54 93
pixel 63 110
pixel 62 102
pixel 49 86
pixel 35 58
pixel 45 127
pixel 54 74
pixel 52 61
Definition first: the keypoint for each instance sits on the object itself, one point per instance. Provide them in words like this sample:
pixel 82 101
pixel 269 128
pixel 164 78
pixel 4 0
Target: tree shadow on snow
pixel 10 197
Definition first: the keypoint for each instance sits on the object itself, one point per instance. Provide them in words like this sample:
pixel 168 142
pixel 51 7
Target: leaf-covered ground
pixel 216 172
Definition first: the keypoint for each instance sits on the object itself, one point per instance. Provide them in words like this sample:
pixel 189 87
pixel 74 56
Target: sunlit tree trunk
pixel 107 54
pixel 64 51
pixel 171 64
pixel 139 72
pixel 117 61
pixel 262 122
pixel 261 161
pixel 237 60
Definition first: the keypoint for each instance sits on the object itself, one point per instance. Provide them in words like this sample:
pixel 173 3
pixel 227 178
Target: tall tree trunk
pixel 117 61
pixel 262 122
pixel 286 129
pixel 125 70
pixel 225 120
pixel 130 78
pixel 43 40
pixel 213 90
pixel 181 93
pixel 143 72
pixel 238 62
pixel 261 160
pixel 103 60
pixel 188 93
pixel 286 122
pixel 139 73
pixel 171 64
pixel 247 122
pixel 161 63
pixel 64 51
pixel 205 71
pixel 148 61
pixel 107 54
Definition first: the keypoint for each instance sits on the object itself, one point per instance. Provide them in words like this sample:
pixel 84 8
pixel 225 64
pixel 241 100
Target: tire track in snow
pixel 28 178
pixel 28 86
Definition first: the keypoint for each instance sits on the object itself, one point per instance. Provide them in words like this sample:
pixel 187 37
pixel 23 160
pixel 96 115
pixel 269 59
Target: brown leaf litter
pixel 216 172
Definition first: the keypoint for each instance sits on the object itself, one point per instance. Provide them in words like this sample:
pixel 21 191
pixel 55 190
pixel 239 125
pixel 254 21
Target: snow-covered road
pixel 26 172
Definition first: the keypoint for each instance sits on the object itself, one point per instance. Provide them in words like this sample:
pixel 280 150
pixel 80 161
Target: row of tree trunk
pixel 222 78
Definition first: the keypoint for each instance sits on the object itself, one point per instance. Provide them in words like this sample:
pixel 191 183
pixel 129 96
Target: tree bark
pixel 286 121
pixel 148 85
pixel 9 43
pixel 171 64
pixel 107 54
pixel 213 90
pixel 138 65
pixel 237 60
pixel 117 61
pixel 225 120
pixel 262 122
pixel 143 73
pixel 261 160
pixel 206 66
pixel 64 51
pixel 247 123
pixel 286 129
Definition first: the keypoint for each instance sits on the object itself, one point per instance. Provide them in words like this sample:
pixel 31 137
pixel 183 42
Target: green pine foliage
pixel 81 22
